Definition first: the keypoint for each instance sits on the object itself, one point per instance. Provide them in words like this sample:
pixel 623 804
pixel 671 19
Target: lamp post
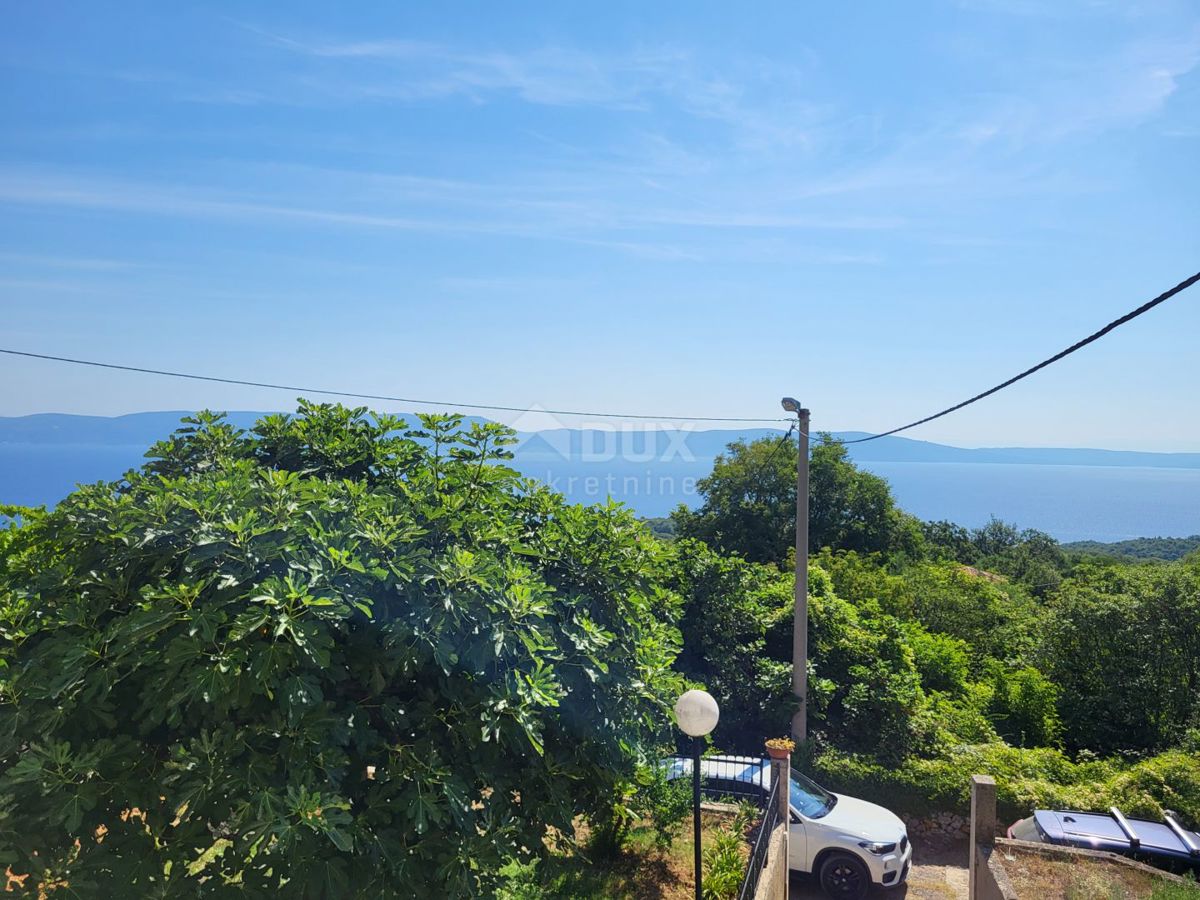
pixel 800 611
pixel 697 713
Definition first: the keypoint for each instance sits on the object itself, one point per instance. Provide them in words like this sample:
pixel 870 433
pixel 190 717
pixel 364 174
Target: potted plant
pixel 780 748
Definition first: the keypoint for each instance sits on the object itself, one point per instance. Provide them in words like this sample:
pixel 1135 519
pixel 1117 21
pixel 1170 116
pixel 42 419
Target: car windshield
pixel 1025 830
pixel 810 799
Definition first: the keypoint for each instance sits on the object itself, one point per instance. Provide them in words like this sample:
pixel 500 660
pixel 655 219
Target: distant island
pixel 142 428
pixel 1158 548
pixel 1071 493
pixel 1139 548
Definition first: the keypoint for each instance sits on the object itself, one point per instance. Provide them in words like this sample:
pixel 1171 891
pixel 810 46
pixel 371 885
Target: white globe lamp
pixel 697 713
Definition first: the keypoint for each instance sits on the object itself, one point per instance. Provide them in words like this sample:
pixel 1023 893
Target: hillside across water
pixel 1072 494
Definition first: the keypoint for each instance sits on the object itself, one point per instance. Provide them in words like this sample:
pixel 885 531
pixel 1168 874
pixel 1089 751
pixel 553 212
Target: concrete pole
pixel 781 774
pixel 800 615
pixel 983 830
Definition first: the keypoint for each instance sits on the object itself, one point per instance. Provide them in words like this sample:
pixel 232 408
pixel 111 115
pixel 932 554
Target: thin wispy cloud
pixel 425 205
pixel 551 76
pixel 1080 97
pixel 761 101
pixel 74 263
pixel 767 110
pixel 752 220
pixel 1059 9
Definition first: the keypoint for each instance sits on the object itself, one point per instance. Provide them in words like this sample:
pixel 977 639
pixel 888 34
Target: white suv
pixel 849 844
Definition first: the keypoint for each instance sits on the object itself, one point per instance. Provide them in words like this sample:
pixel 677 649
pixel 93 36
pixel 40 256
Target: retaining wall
pixel 773 885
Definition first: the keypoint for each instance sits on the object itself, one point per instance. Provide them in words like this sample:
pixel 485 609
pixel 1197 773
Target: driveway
pixel 939 872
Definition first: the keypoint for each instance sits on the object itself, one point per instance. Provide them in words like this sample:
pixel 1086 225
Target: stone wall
pixel 940 826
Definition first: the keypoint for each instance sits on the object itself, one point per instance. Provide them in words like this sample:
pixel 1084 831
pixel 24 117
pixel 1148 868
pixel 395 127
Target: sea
pixel 1071 503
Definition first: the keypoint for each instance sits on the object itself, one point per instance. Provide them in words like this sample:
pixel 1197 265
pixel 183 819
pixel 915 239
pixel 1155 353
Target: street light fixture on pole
pixel 697 713
pixel 800 612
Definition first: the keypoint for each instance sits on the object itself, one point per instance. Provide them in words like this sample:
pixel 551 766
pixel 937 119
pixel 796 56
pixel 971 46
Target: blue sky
pixel 688 209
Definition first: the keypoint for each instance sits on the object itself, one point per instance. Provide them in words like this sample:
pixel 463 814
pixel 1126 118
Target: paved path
pixel 938 873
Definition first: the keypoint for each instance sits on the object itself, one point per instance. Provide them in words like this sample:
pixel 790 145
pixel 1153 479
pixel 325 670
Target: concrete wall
pixel 983 834
pixel 987 880
pixel 990 882
pixel 773 883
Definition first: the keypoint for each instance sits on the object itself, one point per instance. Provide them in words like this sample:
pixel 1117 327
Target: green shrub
pixel 865 690
pixel 1025 780
pixel 994 619
pixel 326 658
pixel 1121 642
pixel 520 882
pixel 664 803
pixel 1024 707
pixel 724 868
pixel 1167 781
pixel 611 825
pixel 730 607
pixel 748 812
pixel 946 721
pixel 943 662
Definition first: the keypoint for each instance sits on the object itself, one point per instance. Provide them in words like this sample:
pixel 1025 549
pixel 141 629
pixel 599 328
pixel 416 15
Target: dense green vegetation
pixel 660 526
pixel 1138 548
pixel 938 651
pixel 335 654
pixel 750 504
pixel 325 658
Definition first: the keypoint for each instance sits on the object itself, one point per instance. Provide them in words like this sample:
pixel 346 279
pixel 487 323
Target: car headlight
pixel 879 848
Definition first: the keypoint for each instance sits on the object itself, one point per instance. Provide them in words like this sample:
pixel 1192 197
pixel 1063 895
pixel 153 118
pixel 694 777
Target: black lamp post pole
pixel 696 742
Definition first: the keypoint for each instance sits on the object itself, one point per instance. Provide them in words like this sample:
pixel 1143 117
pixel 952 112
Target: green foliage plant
pixel 611 826
pixel 1026 779
pixel 333 656
pixel 1024 707
pixel 943 662
pixel 749 506
pixel 724 866
pixel 664 803
pixel 1122 642
pixel 731 611
pixel 748 812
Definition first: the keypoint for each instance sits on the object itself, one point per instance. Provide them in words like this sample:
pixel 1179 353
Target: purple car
pixel 1165 844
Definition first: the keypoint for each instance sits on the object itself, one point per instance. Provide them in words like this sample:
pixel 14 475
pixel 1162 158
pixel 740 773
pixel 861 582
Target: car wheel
pixel 845 877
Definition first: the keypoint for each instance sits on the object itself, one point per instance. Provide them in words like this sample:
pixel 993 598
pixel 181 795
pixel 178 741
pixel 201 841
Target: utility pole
pixel 800 613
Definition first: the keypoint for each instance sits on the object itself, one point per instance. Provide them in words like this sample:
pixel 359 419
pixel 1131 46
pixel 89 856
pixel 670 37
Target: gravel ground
pixel 939 872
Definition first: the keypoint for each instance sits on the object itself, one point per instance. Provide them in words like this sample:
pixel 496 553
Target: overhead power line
pixel 1145 307
pixel 360 396
pixel 1116 323
pixel 782 441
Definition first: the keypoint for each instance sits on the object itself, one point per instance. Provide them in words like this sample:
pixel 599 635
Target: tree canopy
pixel 329 657
pixel 1123 642
pixel 750 504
